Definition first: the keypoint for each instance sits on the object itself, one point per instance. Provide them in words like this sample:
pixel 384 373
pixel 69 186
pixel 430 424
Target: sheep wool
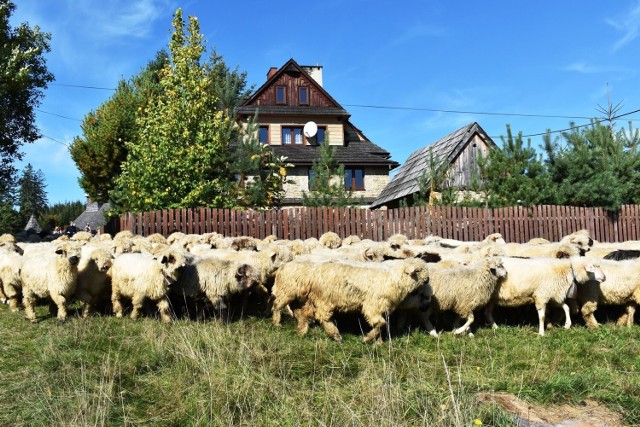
pixel 52 274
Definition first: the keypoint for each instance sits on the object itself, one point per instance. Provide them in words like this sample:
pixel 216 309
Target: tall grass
pixel 106 371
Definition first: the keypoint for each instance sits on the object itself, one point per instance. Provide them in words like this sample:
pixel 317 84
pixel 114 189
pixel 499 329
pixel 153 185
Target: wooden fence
pixel 516 224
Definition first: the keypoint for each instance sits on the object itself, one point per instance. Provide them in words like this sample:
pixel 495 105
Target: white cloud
pixel 628 25
pixel 584 68
pixel 416 32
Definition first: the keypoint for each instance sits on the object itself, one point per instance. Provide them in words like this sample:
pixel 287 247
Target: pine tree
pixel 514 175
pixel 32 196
pixel 591 167
pixel 326 182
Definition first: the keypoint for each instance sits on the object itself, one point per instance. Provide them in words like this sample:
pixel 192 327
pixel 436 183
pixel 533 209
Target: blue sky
pixel 548 58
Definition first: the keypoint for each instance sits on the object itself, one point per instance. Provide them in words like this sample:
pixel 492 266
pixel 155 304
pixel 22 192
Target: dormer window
pixel 303 95
pixel 280 95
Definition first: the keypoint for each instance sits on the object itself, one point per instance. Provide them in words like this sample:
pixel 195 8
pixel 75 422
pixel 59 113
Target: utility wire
pixel 55 140
pixel 58 115
pixel 485 113
pixel 82 86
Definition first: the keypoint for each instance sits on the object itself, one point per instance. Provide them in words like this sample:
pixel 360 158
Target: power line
pixel 485 113
pixel 82 86
pixel 55 140
pixel 577 126
pixel 58 115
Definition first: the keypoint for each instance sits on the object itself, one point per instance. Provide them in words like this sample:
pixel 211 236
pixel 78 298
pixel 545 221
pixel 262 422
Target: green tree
pixel 260 174
pixel 181 158
pixel 593 166
pixel 23 79
pixel 32 195
pixel 101 150
pixel 434 184
pixel 326 182
pixel 9 216
pixel 515 174
pixel 61 214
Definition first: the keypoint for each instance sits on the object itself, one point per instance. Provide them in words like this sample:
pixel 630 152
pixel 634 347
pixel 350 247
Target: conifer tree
pixel 32 196
pixel 326 182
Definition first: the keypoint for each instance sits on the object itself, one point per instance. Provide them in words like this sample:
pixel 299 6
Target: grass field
pixel 108 371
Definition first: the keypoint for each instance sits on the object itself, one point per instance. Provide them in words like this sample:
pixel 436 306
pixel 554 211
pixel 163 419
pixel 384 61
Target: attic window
pixel 280 95
pixel 303 95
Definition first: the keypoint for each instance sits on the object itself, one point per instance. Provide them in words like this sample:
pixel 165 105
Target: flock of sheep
pixel 314 279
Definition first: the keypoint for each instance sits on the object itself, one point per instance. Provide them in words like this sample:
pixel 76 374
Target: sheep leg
pixel 627 318
pixel 567 316
pixel 378 322
pixel 136 301
pixel 3 296
pixel 61 303
pixel 464 327
pixel 87 307
pixel 426 322
pixel 541 315
pixel 116 304
pixel 276 309
pixel 303 316
pixel 587 310
pixel 29 301
pixel 323 316
pixel 163 309
pixel 14 304
pixel 488 312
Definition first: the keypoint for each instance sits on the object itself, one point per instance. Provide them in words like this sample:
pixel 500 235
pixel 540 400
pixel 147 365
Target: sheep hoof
pixel 494 326
pixel 471 335
pixel 61 320
pixel 434 334
pixel 4 301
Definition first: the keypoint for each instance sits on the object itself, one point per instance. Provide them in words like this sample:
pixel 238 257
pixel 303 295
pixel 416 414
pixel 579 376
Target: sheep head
pixel 496 267
pixel 172 262
pixel 247 276
pixel 70 252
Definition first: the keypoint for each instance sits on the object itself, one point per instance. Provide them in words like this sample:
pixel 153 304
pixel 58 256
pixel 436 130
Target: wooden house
pixel 455 154
pixel 296 114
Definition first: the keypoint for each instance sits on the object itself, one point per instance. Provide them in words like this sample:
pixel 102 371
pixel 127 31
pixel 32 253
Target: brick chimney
pixel 271 72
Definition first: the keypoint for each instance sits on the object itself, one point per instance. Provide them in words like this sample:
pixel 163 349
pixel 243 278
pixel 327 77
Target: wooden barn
pixel 454 156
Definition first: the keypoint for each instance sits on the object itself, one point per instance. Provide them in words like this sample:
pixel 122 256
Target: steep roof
pixel 33 224
pixel 446 149
pixel 94 215
pixel 333 108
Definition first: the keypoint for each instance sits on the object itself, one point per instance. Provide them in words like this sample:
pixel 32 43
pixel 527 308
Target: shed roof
pixel 446 149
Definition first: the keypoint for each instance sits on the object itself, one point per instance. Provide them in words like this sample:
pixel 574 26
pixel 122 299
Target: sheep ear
pixel 242 271
pixel 561 254
pixel 273 254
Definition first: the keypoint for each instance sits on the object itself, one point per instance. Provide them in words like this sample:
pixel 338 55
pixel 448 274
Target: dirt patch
pixel 587 414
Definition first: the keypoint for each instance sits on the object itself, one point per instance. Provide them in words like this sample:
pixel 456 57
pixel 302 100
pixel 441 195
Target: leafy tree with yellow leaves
pixel 181 157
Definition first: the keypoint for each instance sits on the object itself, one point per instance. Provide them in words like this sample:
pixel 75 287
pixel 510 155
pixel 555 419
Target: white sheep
pixel 217 279
pixel 463 289
pixel 330 240
pixel 622 287
pixel 323 288
pixel 542 281
pixel 10 282
pixel 94 279
pixel 144 276
pixel 50 275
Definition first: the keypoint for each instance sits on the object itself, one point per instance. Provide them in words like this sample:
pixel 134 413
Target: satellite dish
pixel 310 129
